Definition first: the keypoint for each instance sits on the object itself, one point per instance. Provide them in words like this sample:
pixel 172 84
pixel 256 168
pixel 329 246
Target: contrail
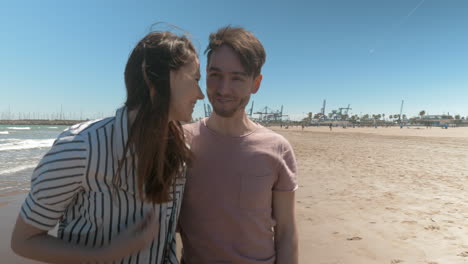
pixel 398 24
pixel 412 11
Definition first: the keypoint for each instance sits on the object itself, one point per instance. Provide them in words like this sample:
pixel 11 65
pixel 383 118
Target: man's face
pixel 228 86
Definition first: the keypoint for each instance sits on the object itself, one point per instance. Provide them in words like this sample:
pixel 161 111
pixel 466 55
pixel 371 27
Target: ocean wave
pixel 18 168
pixel 4 133
pixel 19 128
pixel 27 144
pixel 52 127
pixel 2 140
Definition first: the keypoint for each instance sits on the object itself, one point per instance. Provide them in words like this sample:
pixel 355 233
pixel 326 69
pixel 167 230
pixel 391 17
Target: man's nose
pixel 223 86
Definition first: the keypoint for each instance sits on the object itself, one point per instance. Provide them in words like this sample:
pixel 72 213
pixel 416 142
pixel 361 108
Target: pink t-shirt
pixel 226 214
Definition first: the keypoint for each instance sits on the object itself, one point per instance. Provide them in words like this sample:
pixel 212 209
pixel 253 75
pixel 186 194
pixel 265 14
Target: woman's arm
pixel 33 243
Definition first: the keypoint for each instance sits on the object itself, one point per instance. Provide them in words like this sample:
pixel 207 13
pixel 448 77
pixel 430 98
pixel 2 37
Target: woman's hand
pixel 33 243
pixel 131 240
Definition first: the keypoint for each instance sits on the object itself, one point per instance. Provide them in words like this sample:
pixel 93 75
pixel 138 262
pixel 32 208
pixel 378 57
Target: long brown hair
pixel 158 143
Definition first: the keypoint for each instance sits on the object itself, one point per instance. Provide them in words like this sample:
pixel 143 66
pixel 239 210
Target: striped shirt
pixel 72 186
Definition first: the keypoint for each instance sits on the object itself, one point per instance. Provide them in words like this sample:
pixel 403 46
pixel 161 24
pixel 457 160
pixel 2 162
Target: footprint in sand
pixel 463 254
pixel 354 238
pixel 432 227
pixel 409 222
pixel 395 261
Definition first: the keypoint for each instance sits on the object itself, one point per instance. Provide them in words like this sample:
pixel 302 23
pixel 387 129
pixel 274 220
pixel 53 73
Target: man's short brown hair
pixel 249 49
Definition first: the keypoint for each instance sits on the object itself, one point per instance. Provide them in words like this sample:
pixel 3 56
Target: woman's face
pixel 185 91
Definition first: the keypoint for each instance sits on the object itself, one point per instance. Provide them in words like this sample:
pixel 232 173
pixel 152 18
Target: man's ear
pixel 257 82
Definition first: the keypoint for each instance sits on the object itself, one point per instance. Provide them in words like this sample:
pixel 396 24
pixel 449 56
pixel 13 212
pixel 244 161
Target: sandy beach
pixel 367 195
pixel 385 195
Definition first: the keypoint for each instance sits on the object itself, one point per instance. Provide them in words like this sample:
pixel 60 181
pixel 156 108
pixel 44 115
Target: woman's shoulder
pixel 79 131
pixel 88 126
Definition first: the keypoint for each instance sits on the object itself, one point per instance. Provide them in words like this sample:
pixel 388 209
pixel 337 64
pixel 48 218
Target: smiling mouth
pixel 224 100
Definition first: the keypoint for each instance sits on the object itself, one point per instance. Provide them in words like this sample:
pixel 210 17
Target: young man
pixel 239 199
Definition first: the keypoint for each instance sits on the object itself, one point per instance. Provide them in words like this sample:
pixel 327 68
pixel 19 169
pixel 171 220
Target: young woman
pixel 114 186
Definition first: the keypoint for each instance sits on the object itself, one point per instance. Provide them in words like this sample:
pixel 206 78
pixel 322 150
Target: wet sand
pixel 385 195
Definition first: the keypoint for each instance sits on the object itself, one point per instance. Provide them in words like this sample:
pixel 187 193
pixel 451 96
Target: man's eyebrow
pixel 240 73
pixel 211 68
pixel 216 69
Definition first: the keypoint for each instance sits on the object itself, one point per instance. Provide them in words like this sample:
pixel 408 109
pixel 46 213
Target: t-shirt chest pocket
pixel 256 191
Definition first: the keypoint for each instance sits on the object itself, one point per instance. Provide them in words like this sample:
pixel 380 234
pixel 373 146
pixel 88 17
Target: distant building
pixel 436 120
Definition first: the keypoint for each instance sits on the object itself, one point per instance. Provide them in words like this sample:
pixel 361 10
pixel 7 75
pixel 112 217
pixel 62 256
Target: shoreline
pixel 41 122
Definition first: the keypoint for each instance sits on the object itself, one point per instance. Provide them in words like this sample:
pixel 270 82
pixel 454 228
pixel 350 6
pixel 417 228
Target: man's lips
pixel 224 100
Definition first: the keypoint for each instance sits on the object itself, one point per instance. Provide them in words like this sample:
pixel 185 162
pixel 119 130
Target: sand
pixel 385 195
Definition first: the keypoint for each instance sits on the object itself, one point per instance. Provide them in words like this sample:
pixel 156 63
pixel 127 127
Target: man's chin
pixel 225 113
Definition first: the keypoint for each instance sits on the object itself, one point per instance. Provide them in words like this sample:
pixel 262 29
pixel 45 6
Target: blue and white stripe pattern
pixel 72 187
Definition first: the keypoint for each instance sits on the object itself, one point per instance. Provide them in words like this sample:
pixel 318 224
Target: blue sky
pixel 367 53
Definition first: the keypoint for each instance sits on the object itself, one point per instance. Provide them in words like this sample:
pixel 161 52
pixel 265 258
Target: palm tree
pixel 422 113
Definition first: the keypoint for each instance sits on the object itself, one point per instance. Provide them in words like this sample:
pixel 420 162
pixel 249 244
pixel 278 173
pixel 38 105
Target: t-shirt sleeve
pixel 287 171
pixel 55 181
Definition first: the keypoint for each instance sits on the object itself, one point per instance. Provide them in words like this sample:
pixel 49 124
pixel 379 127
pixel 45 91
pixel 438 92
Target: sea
pixel 21 148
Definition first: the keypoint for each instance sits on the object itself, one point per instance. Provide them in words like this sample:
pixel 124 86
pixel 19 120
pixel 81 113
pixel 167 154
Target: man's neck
pixel 234 126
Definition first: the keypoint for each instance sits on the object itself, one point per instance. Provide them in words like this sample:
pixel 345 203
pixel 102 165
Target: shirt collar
pixel 121 131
